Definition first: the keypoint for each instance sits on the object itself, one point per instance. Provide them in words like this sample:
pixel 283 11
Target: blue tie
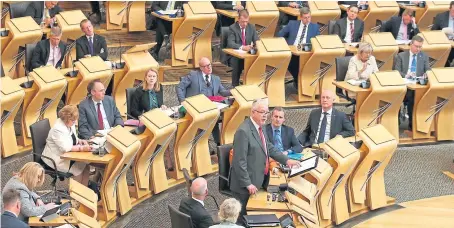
pixel 90 44
pixel 413 64
pixel 278 140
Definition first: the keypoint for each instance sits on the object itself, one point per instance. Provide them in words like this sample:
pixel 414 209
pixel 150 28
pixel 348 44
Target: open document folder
pixel 305 166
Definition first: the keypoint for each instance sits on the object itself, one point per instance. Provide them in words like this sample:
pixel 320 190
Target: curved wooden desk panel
pixel 85 221
pixel 4 40
pixel 136 17
pixel 115 15
pixel 244 96
pixel 436 46
pixel 322 12
pixel 384 47
pixel 69 22
pixel 132 13
pixel 264 15
pixel 425 22
pixel 379 11
pixel 87 198
pixel 383 103
pixel 23 30
pixel 11 99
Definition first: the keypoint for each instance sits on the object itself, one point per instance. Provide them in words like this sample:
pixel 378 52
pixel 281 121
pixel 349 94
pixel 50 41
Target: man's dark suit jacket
pixel 393 26
pixel 36 9
pixel 402 62
pixel 441 21
pixel 162 5
pixel 88 116
pixel 289 140
pixel 290 31
pixel 234 39
pixel 9 220
pixel 141 101
pixel 191 85
pixel 249 158
pixel 340 125
pixel 226 5
pixel 199 215
pixel 99 47
pixel 340 29
pixel 42 51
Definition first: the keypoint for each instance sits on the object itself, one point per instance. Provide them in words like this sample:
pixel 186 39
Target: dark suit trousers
pixel 410 100
pixel 163 28
pixel 294 67
pixel 237 67
pixel 244 199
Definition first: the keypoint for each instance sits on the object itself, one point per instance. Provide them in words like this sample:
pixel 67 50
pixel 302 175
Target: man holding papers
pixel 251 152
pixel 362 65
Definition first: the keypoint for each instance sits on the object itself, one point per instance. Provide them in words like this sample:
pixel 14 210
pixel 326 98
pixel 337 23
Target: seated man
pixel 410 64
pixel 350 29
pixel 97 111
pixel 321 128
pixel 362 65
pixel 446 20
pixel 402 28
pixel 242 35
pixel 282 136
pixel 90 44
pixel 202 82
pixel 43 12
pixel 11 208
pixel 50 51
pixel 296 33
pixel 195 207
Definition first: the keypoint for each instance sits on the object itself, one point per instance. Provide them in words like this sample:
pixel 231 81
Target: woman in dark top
pixel 147 97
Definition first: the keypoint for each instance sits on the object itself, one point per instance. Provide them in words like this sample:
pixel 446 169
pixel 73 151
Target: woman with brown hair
pixel 147 97
pixel 29 177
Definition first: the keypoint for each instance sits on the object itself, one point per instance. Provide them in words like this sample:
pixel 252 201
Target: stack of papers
pixel 167 12
pixel 403 42
pixel 354 82
pixel 409 81
pixel 220 105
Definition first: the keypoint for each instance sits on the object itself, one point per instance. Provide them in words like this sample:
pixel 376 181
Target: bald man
pixel 326 122
pixel 195 207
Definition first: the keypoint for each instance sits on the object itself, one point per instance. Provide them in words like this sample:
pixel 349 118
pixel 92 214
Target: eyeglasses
pixel 263 113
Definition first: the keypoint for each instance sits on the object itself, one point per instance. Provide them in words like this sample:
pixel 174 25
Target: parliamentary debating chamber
pixel 197 114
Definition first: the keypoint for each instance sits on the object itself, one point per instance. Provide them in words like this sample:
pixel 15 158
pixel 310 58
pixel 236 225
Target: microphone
pixel 139 129
pixel 28 83
pixel 74 72
pixel 318 151
pixel 120 65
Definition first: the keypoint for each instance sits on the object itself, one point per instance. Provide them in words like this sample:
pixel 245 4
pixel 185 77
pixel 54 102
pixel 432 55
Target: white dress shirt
pixel 103 113
pixel 204 78
pixel 257 128
pixel 348 35
pixel 54 55
pixel 328 125
pixel 200 201
pixel 300 31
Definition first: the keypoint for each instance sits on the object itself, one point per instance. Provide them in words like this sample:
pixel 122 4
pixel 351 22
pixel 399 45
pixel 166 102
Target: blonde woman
pixel 228 213
pixel 147 97
pixel 29 177
pixel 62 138
pixel 363 64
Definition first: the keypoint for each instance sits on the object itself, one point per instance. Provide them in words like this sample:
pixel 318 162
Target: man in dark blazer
pixel 411 63
pixel 11 208
pixel 446 20
pixel 402 27
pixel 251 152
pixel 50 51
pixel 97 111
pixel 350 29
pixel 195 207
pixel 242 36
pixel 293 34
pixel 321 128
pixel 90 44
pixel 37 9
pixel 282 136
pixel 224 21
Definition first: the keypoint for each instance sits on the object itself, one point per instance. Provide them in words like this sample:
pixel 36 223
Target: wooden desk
pixel 60 220
pixel 248 60
pixel 258 202
pixel 404 47
pixel 351 49
pixel 418 10
pixel 278 214
pixel 290 11
pixel 87 157
pixel 228 13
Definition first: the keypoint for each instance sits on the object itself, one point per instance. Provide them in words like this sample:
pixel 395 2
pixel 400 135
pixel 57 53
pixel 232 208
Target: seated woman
pixel 147 97
pixel 228 213
pixel 362 65
pixel 29 177
pixel 62 138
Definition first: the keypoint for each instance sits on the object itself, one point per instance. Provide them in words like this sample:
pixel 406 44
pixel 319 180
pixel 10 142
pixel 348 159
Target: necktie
pixel 302 34
pixel 46 13
pixel 152 99
pixel 90 44
pixel 321 133
pixel 243 37
pixel 207 81
pixel 413 64
pixel 267 163
pixel 278 140
pixel 100 119
pixel 352 31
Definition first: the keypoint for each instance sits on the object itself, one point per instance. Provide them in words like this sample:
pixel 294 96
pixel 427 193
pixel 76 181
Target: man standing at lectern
pixel 43 12
pixel 296 33
pixel 252 150
pixel 410 64
pixel 326 122
pixel 90 44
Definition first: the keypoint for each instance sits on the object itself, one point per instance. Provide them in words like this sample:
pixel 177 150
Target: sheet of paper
pixel 304 165
pixel 403 42
pixel 220 105
pixel 354 82
pixel 240 51
pixel 353 44
pixel 65 226
pixel 167 12
pixel 409 81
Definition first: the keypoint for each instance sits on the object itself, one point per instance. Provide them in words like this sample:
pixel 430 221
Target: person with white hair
pixel 362 65
pixel 228 213
pixel 195 207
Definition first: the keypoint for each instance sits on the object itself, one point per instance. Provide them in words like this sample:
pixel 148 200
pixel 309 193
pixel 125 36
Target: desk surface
pixel 166 17
pixel 294 50
pixel 60 220
pixel 238 54
pixel 351 88
pixel 259 202
pixel 228 13
pixel 290 11
pixel 416 86
pixel 88 157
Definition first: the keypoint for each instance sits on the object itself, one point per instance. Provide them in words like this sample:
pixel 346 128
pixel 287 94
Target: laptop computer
pixel 264 220
pixel 50 214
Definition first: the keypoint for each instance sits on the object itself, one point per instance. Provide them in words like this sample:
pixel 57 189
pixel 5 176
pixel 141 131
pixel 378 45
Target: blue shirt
pixel 280 130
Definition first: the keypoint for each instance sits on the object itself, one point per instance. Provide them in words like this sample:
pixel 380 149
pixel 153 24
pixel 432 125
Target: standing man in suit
pixel 242 36
pixel 402 27
pixel 299 32
pixel 50 51
pixel 195 207
pixel 446 20
pixel 326 122
pixel 90 44
pixel 43 12
pixel 202 82
pixel 410 64
pixel 11 208
pixel 350 29
pixel 251 152
pixel 97 111
pixel 283 137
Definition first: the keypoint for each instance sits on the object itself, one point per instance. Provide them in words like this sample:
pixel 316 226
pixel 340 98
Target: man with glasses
pixel 202 82
pixel 411 64
pixel 326 123
pixel 252 150
pixel 350 29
